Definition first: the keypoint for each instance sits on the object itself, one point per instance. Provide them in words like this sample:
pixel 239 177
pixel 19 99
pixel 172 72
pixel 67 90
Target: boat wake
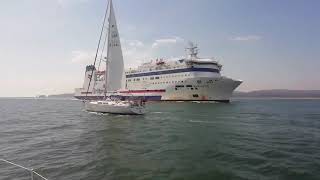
pixel 157 112
pixel 204 122
pixel 98 113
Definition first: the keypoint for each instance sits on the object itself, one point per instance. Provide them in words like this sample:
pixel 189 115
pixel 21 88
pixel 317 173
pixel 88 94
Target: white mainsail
pixel 115 65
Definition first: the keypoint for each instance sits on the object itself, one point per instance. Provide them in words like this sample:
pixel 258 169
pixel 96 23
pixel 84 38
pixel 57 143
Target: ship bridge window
pixel 188 85
pixel 138 79
pixel 151 78
pixel 195 95
pixel 157 77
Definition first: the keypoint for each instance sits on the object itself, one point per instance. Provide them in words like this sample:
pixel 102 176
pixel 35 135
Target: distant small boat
pixel 114 74
pixel 41 96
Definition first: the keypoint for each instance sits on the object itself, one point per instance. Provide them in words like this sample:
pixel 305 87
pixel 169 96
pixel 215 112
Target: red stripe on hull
pixel 144 91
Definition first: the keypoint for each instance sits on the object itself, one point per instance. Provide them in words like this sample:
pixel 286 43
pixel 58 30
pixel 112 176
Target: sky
pixel 269 44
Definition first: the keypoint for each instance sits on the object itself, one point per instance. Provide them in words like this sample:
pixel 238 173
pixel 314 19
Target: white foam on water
pixel 197 121
pixel 196 102
pixel 157 112
pixel 98 113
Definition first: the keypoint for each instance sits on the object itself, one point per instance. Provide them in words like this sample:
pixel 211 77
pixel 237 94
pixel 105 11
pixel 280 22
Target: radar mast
pixel 192 51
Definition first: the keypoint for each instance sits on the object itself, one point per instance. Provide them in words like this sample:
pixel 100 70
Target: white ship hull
pixel 210 89
pixel 219 90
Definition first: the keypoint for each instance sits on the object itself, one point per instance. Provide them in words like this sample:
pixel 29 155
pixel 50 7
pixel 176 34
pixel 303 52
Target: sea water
pixel 245 139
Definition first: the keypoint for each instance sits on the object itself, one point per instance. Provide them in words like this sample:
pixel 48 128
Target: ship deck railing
pixel 32 172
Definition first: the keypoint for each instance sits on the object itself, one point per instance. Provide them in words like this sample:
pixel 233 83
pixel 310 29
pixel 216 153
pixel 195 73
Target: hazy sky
pixel 270 44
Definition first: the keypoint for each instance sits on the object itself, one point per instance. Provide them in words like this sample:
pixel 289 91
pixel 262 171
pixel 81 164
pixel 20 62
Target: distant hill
pixel 280 93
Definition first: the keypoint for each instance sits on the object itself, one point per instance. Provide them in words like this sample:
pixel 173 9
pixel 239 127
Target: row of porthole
pixel 157 77
pixel 167 82
pixel 190 88
pixel 152 69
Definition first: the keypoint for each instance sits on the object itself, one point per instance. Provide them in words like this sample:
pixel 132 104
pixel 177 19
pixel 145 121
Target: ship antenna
pixel 192 50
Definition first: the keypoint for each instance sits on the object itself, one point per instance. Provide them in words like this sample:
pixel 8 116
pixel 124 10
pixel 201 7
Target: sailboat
pixel 114 74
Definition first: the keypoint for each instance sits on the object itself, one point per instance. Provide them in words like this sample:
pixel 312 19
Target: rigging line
pixel 95 59
pixel 28 169
pixel 16 164
pixel 103 47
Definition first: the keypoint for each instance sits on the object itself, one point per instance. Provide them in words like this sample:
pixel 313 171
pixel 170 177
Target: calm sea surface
pixel 246 139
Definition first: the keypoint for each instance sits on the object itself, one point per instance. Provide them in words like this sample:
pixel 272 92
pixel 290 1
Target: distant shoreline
pixel 35 98
pixel 235 97
pixel 259 94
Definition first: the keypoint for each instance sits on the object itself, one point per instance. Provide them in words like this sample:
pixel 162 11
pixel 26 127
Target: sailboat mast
pixel 108 49
pixel 95 59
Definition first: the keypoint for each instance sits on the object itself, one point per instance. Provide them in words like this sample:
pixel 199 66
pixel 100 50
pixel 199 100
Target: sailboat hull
pixel 114 108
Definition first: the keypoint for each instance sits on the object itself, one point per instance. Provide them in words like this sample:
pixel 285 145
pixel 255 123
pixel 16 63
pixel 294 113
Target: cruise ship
pixel 187 79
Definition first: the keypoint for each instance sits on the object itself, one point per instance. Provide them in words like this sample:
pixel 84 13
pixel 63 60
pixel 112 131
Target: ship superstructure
pixel 186 79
